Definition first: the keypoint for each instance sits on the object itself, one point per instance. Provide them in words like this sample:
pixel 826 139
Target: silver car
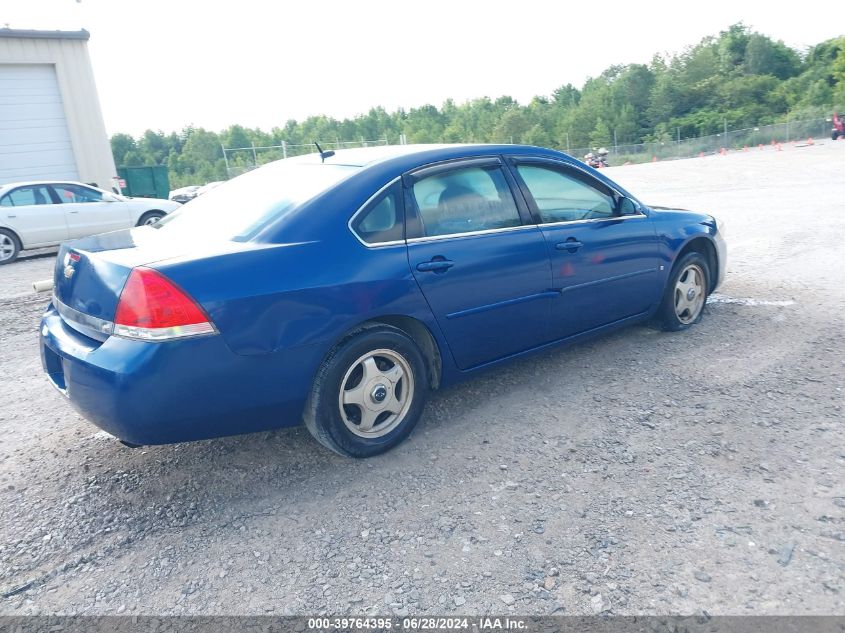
pixel 41 214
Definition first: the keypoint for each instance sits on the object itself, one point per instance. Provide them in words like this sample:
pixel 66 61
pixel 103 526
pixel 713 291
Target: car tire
pixel 369 392
pixel 150 217
pixel 686 293
pixel 10 247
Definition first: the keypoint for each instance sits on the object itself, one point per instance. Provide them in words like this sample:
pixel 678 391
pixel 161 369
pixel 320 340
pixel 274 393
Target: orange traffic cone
pixel 810 141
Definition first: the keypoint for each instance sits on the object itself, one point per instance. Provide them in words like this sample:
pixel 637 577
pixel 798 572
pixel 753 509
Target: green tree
pixel 738 76
pixel 121 145
pixel 601 134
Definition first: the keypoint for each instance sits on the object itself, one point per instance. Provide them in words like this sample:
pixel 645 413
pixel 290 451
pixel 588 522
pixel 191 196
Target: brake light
pixel 152 307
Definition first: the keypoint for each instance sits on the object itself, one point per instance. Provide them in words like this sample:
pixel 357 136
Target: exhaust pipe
pixel 45 285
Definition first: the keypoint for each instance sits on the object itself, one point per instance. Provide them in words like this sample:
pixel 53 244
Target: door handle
pixel 435 266
pixel 571 245
pixel 73 211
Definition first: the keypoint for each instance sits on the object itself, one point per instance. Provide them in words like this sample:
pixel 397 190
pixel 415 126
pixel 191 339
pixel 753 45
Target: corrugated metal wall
pixel 84 117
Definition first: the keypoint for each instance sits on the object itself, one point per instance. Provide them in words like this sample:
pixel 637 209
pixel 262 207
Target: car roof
pixel 31 183
pixel 369 156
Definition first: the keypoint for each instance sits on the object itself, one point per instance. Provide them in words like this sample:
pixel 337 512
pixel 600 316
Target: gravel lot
pixel 641 473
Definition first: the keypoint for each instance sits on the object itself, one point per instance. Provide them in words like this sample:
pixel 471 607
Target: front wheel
pixel 369 392
pixel 686 293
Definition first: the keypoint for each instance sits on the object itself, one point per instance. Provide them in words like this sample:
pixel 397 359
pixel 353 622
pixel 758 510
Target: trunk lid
pixel 91 272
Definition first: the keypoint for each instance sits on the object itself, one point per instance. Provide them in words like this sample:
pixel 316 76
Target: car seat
pixel 461 209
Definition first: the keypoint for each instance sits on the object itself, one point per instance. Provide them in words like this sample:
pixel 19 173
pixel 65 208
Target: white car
pixel 40 214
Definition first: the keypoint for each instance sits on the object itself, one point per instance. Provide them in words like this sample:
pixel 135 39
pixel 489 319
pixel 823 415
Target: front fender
pixel 678 231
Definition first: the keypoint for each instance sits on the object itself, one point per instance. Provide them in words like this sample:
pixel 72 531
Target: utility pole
pixel 615 144
pixel 225 158
pixel 726 132
pixel 567 142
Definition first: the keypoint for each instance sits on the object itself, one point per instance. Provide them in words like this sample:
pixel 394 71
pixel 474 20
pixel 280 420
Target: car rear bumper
pixel 175 391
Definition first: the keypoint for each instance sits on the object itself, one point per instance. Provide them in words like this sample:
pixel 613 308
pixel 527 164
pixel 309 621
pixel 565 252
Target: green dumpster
pixel 145 182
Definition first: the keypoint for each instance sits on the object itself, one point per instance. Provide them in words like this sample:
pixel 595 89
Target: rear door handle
pixel 571 245
pixel 435 266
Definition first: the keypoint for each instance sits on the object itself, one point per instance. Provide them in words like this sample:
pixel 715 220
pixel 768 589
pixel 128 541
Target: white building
pixel 51 126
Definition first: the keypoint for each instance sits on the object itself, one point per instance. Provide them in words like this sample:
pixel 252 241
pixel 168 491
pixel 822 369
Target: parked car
pixel 348 286
pixel 209 187
pixel 40 214
pixel 183 194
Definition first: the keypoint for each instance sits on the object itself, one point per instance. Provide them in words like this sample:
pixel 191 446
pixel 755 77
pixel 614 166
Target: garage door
pixel 34 139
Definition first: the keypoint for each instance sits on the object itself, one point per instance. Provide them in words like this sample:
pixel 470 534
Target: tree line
pixel 740 78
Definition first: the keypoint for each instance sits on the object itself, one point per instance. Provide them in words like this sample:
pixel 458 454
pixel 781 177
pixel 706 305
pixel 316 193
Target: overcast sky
pixel 168 64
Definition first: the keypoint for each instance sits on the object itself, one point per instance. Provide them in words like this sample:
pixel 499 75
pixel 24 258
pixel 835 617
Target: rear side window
pixel 465 200
pixel 564 197
pixel 24 196
pixel 382 220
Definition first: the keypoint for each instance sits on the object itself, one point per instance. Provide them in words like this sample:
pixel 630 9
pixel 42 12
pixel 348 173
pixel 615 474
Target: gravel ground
pixel 642 473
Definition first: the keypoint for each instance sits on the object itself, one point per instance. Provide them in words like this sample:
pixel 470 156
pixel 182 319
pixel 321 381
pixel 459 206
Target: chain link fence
pixel 242 159
pixel 730 140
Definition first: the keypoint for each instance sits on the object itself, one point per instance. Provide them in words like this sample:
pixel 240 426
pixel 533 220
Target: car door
pixel 483 268
pixel 604 262
pixel 90 211
pixel 30 212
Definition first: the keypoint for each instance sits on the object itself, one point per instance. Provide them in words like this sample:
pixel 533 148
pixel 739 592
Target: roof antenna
pixel 323 155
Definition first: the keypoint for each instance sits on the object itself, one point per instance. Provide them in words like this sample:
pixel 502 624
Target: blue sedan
pixel 340 289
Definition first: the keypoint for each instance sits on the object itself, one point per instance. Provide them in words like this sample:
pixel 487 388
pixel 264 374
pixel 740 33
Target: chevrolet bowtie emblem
pixel 69 260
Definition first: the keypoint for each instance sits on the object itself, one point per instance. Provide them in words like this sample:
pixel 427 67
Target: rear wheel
pixel 369 392
pixel 10 247
pixel 150 217
pixel 686 293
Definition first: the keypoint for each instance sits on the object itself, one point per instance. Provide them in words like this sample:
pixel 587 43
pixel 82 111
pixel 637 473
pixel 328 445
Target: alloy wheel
pixel 7 248
pixel 376 393
pixel 689 294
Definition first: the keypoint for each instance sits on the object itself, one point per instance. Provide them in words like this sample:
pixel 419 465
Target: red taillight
pixel 153 307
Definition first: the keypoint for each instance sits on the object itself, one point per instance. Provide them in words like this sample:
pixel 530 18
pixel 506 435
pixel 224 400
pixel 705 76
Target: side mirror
pixel 626 206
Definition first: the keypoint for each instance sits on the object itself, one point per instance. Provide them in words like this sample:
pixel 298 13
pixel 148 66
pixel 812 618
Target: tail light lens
pixel 152 307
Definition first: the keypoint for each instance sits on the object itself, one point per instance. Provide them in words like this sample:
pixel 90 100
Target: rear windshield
pixel 241 207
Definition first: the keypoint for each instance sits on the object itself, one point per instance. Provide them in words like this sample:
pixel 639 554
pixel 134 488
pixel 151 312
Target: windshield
pixel 239 208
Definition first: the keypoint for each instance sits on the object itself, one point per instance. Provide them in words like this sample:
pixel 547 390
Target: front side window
pixel 76 193
pixel 382 220
pixel 564 197
pixel 25 196
pixel 464 200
